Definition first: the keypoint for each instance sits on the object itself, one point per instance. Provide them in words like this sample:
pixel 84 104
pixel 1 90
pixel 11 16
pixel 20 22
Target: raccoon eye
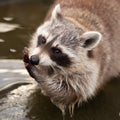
pixel 41 40
pixel 56 51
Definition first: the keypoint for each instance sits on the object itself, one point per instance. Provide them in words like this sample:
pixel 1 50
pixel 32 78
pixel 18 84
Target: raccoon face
pixel 58 42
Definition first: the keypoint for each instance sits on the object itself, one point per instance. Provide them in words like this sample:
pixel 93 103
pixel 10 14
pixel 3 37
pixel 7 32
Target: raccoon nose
pixel 34 59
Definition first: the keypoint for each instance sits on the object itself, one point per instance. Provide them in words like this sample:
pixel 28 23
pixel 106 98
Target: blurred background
pixel 18 20
pixel 20 96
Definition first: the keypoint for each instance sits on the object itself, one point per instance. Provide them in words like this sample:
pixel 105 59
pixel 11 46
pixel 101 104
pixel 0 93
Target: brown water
pixel 23 101
pixel 20 18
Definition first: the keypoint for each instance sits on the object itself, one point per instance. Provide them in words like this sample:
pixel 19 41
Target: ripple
pixel 1 40
pixel 8 18
pixel 6 27
pixel 13 50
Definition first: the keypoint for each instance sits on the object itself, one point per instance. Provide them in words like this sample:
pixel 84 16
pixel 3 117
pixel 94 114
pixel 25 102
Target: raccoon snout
pixel 34 59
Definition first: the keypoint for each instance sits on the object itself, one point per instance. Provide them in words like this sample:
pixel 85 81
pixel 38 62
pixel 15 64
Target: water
pixel 20 97
pixel 18 20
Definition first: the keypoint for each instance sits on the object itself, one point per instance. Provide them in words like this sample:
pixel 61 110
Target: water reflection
pixel 13 104
pixel 8 18
pixel 105 106
pixel 25 102
pixel 5 27
pixel 40 107
pixel 1 40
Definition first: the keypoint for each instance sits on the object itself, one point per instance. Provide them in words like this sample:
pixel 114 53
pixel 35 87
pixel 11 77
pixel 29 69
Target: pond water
pixel 18 20
pixel 20 98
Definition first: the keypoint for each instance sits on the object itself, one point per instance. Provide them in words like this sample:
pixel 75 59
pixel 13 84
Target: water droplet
pixel 1 40
pixel 5 27
pixel 12 50
pixel 71 109
pixel 8 18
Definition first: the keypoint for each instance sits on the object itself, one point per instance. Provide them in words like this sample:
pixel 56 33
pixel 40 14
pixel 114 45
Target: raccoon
pixel 76 50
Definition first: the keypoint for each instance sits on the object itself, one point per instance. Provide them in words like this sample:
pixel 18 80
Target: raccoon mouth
pixel 51 70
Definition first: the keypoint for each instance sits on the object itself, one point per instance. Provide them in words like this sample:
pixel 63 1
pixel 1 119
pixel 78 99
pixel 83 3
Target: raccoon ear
pixel 90 40
pixel 56 12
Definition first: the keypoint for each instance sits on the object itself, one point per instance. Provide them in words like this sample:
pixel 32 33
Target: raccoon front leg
pixel 32 70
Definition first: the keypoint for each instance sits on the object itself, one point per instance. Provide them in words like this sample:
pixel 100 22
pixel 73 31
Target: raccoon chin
pixel 50 70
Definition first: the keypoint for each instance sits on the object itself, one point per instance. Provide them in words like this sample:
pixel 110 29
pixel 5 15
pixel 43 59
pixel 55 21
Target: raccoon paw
pixel 25 55
pixel 32 70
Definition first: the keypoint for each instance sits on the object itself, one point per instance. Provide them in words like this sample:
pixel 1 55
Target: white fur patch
pixel 41 30
pixel 45 60
pixel 36 51
pixel 94 38
pixel 56 11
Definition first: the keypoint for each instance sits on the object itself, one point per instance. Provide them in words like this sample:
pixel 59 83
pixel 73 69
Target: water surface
pixel 18 20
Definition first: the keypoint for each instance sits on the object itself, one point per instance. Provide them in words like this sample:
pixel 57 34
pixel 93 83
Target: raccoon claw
pixel 25 55
pixel 27 63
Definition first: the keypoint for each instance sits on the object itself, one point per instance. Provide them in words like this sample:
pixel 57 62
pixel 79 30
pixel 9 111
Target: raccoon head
pixel 59 42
